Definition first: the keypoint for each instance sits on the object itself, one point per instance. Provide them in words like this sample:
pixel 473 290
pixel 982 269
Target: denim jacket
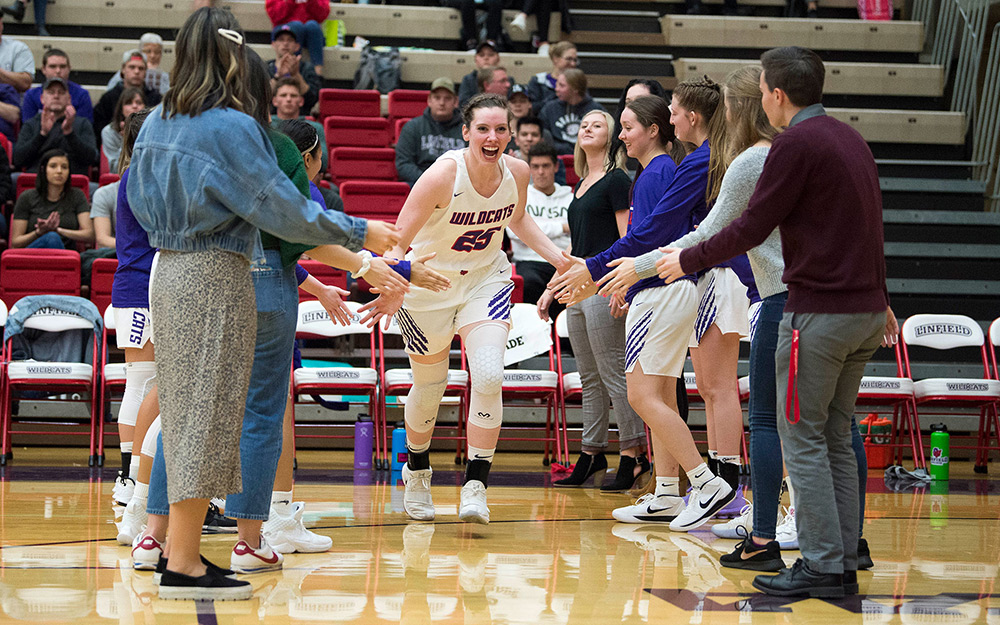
pixel 209 182
pixel 31 304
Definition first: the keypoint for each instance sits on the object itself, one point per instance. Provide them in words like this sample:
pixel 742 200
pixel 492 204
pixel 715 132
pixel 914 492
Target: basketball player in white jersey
pixel 458 209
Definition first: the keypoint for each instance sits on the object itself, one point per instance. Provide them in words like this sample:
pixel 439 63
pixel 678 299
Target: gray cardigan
pixel 737 186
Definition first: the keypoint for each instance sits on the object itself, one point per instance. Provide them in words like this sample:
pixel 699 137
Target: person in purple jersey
pixel 660 319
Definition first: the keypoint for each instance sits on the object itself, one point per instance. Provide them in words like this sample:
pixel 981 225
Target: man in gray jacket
pixel 423 139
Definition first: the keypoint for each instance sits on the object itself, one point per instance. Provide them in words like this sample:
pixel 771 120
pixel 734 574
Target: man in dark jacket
pixel 288 63
pixel 486 56
pixel 56 126
pixel 423 139
pixel 133 75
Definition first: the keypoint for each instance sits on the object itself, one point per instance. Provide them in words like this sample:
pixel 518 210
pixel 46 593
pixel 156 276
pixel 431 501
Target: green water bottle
pixel 940 450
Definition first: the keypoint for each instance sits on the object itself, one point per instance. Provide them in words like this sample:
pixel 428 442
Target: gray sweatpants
pixel 598 341
pixel 833 350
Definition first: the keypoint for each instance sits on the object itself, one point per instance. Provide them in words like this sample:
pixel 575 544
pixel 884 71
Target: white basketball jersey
pixel 468 233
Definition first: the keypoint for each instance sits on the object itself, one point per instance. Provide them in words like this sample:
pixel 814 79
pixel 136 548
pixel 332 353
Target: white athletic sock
pixel 415 448
pixel 668 486
pixel 133 466
pixel 141 491
pixel 729 459
pixel 281 502
pixel 714 455
pixel 700 475
pixel 126 447
pixel 477 453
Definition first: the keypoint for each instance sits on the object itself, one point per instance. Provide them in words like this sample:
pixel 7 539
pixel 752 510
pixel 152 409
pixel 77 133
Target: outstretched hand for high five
pixel 573 277
pixel 620 278
pixel 381 236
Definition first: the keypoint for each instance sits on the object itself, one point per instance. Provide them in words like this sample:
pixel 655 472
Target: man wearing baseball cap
pixel 133 74
pixel 56 126
pixel 288 63
pixel 487 55
pixel 423 139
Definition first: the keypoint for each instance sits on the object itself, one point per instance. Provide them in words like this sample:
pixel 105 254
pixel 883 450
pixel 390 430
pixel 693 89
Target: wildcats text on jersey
pixel 482 217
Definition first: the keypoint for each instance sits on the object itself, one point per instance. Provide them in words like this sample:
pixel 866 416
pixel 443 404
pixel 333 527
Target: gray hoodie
pixel 422 140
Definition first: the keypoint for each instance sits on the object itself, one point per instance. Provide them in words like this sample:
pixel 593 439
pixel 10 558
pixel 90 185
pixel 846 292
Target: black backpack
pixel 378 70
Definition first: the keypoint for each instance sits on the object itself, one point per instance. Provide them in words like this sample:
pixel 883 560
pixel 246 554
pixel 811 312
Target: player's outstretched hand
pixel 619 279
pixel 382 276
pixel 332 300
pixel 381 236
pixel 385 305
pixel 574 276
pixel 423 276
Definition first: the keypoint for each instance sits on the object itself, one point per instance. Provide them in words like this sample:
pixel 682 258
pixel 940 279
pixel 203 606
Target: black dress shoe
pixel 851 583
pixel 586 466
pixel 764 558
pixel 864 556
pixel 799 581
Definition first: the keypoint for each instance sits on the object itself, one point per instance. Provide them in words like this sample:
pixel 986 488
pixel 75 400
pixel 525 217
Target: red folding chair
pixel 896 393
pixel 27 181
pixel 5 143
pixel 61 381
pixel 993 344
pixel 113 378
pixel 349 103
pixel 102 279
pixel 398 128
pixel 407 103
pixel 530 336
pixel 397 382
pixel 949 332
pixel 311 382
pixel 374 199
pixel 570 385
pixel 571 177
pixel 29 271
pixel 107 179
pixel 362 164
pixel 358 132
pixel 324 273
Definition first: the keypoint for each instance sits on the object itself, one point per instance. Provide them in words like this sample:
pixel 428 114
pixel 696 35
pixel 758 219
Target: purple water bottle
pixel 364 439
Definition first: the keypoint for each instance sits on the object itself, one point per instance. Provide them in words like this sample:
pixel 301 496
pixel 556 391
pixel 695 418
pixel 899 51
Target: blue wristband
pixel 402 268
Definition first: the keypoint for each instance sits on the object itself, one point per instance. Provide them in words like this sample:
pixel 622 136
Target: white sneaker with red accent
pixel 248 560
pixel 146 552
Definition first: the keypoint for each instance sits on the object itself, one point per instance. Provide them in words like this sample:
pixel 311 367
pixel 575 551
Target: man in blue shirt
pixel 55 64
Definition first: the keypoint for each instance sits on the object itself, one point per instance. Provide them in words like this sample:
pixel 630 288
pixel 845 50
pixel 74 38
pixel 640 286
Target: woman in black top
pixel 54 213
pixel 598 216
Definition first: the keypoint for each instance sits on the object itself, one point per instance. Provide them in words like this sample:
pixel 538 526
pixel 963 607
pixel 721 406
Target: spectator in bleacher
pixel 288 63
pixel 10 110
pixel 487 55
pixel 542 9
pixel 54 214
pixel 151 45
pixel 518 102
pixel 547 204
pixel 423 139
pixel 131 100
pixel 55 63
pixel 133 74
pixel 56 126
pixel 470 30
pixel 493 80
pixel 528 131
pixel 542 86
pixel 562 116
pixel 304 18
pixel 17 65
pixel 287 102
pixel 16 10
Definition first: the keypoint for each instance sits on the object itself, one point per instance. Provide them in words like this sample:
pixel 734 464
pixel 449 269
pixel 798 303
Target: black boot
pixel 586 466
pixel 864 555
pixel 15 10
pixel 626 476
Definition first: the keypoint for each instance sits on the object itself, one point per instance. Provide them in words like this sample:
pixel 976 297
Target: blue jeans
pixel 260 443
pixel 48 241
pixel 310 36
pixel 765 446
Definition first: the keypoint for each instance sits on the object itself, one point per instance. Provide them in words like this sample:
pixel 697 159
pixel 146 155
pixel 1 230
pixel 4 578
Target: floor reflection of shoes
pixel 416 554
pixel 699 562
pixel 472 570
pixel 646 537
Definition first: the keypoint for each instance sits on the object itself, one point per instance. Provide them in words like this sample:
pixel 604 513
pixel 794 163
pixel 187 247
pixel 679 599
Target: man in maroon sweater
pixel 820 188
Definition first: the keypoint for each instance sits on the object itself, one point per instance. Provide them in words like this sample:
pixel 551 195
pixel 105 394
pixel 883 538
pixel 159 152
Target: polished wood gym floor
pixel 549 556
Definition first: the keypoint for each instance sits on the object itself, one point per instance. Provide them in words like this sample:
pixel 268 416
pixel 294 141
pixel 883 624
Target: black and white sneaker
pixel 702 504
pixel 651 508
pixel 212 586
pixel 216 523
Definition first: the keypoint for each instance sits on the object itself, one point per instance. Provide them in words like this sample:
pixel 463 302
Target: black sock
pixel 729 472
pixel 418 460
pixel 126 461
pixel 478 470
pixel 713 465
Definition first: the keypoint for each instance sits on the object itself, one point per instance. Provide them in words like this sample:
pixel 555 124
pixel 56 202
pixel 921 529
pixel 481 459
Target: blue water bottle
pixel 364 440
pixel 398 447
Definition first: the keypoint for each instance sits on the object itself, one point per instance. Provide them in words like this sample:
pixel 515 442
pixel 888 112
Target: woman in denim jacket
pixel 203 180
